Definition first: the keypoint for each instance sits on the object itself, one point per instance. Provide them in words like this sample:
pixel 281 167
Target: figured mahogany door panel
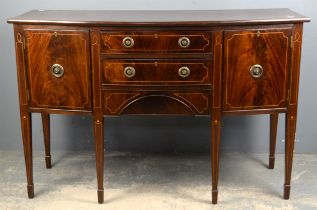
pixel 156 72
pixel 155 42
pixel 118 102
pixel 58 69
pixel 256 68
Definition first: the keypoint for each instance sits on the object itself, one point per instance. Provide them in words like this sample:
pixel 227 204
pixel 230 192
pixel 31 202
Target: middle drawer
pixel 156 72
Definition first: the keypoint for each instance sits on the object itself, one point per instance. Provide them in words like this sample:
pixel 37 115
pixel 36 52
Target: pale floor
pixel 157 182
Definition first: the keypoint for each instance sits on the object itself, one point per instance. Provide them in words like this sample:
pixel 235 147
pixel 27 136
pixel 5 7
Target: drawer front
pixel 256 68
pixel 155 42
pixel 58 69
pixel 154 72
pixel 118 102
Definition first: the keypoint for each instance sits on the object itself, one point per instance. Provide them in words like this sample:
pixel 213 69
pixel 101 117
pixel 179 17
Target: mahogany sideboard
pixel 204 62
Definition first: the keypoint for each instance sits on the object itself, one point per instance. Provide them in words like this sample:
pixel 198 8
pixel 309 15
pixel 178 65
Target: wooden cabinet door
pixel 67 86
pixel 256 68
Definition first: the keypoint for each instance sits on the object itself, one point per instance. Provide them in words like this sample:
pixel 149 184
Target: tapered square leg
pixel 290 129
pixel 47 141
pixel 216 111
pixel 26 125
pixel 99 147
pixel 273 133
pixel 97 111
pixel 215 129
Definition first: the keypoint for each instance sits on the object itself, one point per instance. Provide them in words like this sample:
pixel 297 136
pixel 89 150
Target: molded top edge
pixel 159 17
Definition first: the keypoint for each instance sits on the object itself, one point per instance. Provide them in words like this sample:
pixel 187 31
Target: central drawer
pixel 155 42
pixel 156 71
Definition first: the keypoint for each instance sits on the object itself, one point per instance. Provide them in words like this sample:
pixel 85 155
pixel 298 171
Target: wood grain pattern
pixel 243 49
pixel 156 72
pixel 156 102
pixel 69 49
pixel 155 42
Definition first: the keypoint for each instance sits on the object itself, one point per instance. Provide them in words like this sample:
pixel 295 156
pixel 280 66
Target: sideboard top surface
pixel 160 17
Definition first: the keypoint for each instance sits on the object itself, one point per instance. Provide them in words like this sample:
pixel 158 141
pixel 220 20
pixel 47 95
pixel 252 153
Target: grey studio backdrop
pixel 158 134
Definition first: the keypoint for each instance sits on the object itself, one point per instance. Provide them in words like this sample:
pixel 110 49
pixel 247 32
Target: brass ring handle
pixel 256 71
pixel 128 42
pixel 184 71
pixel 129 71
pixel 57 70
pixel 183 42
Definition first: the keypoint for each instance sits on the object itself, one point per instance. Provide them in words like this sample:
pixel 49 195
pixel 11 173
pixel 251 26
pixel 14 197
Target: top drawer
pixel 155 42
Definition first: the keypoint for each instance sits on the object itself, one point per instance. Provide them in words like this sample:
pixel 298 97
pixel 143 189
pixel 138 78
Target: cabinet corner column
pixel 98 118
pixel 291 115
pixel 25 115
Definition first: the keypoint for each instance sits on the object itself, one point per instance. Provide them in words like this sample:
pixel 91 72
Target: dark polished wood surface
pixel 47 138
pixel 156 42
pixel 208 63
pixel 168 17
pixel 157 102
pixel 157 72
pixel 269 48
pixel 68 48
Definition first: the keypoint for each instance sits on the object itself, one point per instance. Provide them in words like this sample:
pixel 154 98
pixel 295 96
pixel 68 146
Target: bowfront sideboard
pixel 212 63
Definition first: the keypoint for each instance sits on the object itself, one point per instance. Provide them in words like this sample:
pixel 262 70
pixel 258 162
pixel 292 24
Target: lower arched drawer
pixel 153 102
